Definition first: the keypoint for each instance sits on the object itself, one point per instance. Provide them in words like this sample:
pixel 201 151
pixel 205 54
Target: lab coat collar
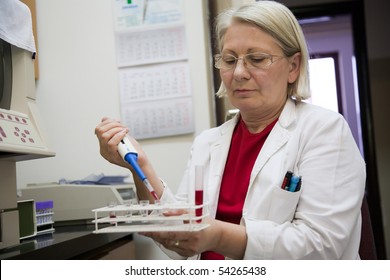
pixel 288 115
pixel 286 118
pixel 219 149
pixel 279 135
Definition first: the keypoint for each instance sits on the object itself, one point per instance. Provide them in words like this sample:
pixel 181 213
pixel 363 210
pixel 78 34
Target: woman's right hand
pixel 109 133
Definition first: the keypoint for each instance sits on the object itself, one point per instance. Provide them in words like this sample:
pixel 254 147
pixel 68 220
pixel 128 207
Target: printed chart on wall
pixel 153 70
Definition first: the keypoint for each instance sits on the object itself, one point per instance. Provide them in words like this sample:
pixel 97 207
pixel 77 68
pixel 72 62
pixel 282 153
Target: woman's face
pixel 262 92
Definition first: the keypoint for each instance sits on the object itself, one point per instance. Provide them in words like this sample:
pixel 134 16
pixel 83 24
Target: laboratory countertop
pixel 67 242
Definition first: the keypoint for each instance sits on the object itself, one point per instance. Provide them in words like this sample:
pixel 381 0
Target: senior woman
pixel 263 64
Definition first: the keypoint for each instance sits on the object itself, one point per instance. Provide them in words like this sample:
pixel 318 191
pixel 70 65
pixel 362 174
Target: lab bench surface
pixel 72 242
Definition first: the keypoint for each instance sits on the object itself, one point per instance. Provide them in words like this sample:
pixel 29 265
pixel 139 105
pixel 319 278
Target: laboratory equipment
pixel 143 209
pixel 148 218
pixel 44 216
pixel 27 218
pixel 198 189
pixel 21 133
pixel 73 203
pixel 145 216
pixel 130 155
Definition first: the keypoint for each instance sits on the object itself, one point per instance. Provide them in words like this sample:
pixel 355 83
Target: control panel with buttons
pixel 16 130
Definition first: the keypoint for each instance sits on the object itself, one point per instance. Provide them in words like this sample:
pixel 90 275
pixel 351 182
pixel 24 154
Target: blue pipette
pixel 130 155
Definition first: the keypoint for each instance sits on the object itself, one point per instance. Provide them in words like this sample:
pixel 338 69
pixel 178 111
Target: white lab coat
pixel 322 220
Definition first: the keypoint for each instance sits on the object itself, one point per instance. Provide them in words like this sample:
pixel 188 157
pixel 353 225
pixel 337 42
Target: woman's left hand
pixel 188 244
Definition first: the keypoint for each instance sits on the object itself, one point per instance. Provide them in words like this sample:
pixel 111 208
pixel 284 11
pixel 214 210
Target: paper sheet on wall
pixel 151 45
pixel 156 100
pixel 163 11
pixel 128 14
pixel 151 52
pixel 131 13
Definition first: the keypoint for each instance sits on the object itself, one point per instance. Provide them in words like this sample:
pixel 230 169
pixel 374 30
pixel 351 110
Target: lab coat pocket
pixel 282 206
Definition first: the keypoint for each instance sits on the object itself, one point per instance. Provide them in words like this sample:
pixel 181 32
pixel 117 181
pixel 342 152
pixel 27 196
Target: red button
pixel 2 132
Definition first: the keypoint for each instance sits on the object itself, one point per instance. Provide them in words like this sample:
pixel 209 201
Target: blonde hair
pixel 278 21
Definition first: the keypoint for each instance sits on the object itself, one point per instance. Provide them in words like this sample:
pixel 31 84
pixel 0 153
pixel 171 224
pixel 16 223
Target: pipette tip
pixel 154 194
pixel 151 190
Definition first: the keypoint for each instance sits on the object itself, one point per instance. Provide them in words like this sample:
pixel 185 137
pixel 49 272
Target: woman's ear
pixel 294 68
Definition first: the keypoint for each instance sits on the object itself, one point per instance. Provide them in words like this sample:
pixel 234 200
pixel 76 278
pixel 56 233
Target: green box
pixel 27 218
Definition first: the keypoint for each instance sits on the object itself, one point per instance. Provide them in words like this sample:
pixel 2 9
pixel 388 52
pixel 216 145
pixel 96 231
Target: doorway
pixel 325 81
pixel 356 96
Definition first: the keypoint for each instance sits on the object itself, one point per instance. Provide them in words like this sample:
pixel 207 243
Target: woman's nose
pixel 240 70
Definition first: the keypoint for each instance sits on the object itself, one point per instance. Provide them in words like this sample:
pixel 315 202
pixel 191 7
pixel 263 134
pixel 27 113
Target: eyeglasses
pixel 256 60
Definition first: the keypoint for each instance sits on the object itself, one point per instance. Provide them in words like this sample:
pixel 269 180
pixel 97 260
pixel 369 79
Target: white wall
pixel 78 85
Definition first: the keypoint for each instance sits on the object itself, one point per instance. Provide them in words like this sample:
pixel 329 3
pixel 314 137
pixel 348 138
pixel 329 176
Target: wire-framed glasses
pixel 256 60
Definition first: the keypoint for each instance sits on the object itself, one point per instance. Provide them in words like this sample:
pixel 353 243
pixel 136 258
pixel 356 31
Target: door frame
pixel 356 10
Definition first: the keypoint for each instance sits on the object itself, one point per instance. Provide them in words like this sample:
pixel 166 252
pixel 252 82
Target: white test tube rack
pixel 121 220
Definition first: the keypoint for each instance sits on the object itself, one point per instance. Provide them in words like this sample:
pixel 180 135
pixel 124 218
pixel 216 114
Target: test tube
pixel 198 191
pixel 112 213
pixel 158 209
pixel 129 212
pixel 144 203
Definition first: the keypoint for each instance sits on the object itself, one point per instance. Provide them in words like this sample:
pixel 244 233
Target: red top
pixel 243 153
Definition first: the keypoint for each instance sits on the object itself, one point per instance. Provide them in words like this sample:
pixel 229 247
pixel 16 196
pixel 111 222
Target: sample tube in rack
pixel 199 190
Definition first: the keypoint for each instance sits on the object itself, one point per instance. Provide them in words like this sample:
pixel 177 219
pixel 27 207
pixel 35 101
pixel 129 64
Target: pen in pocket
pixel 291 182
pixel 286 180
pixel 294 183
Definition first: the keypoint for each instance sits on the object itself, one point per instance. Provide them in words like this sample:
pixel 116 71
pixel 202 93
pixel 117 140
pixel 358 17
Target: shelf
pixel 45 231
pixel 45 214
pixel 45 224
